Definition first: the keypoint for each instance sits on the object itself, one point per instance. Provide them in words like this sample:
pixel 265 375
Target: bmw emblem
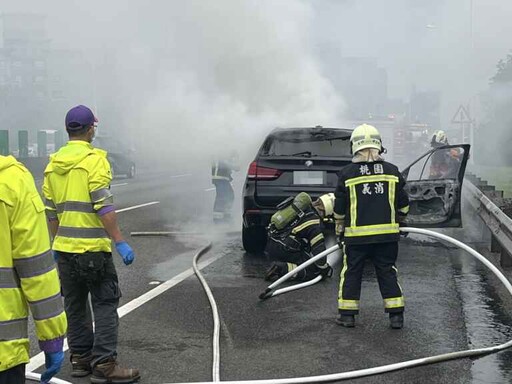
pixel 308 163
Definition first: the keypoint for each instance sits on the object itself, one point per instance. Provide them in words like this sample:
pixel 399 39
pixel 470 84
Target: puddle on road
pixel 487 322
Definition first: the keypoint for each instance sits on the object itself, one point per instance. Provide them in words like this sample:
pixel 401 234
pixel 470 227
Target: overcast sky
pixel 233 68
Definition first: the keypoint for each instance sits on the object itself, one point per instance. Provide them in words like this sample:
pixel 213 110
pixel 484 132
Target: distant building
pixel 37 82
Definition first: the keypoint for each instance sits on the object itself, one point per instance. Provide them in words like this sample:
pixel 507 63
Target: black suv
pixel 119 157
pixel 291 160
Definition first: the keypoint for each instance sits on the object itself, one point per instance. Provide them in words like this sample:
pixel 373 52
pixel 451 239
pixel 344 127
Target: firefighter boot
pixel 276 270
pixel 348 321
pixel 109 372
pixel 81 364
pixel 396 320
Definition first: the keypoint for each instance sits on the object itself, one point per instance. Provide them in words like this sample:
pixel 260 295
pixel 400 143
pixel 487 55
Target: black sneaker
pixel 348 321
pixel 81 364
pixel 396 320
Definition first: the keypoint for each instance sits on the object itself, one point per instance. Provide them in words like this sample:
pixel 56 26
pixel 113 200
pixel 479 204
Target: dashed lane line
pixel 39 360
pixel 137 206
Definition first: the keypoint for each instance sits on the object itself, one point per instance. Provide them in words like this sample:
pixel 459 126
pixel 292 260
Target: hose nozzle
pixel 265 295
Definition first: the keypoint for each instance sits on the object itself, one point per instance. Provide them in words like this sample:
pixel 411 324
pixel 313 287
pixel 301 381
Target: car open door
pixel 434 185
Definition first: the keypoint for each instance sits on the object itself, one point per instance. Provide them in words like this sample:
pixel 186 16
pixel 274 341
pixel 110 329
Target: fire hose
pixel 270 291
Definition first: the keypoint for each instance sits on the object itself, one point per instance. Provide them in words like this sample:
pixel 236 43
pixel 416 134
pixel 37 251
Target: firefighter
pixel 222 169
pixel 445 164
pixel 83 221
pixel 295 234
pixel 28 278
pixel 370 204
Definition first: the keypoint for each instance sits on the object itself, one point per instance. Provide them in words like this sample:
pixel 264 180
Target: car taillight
pixel 262 173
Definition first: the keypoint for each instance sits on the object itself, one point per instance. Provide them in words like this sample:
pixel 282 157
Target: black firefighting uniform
pixel 371 200
pixel 221 178
pixel 297 244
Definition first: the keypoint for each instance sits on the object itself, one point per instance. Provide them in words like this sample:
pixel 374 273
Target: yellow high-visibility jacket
pixel 28 274
pixel 76 189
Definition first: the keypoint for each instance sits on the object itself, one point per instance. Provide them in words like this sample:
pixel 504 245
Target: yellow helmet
pixel 328 203
pixel 365 136
pixel 439 138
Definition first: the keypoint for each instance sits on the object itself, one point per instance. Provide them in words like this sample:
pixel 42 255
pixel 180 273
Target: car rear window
pixel 307 144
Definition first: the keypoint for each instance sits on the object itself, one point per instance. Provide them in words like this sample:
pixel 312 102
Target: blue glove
pixel 53 362
pixel 126 252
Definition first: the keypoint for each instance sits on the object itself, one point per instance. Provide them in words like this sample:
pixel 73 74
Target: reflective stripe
pixel 13 329
pixel 338 216
pixel 308 223
pixel 370 179
pixel 394 302
pixel 291 266
pixel 75 206
pixel 370 230
pixel 35 265
pixel 100 194
pixel 342 274
pixel 348 304
pixel 49 204
pixel 391 196
pixel 404 210
pixel 51 214
pixel 353 206
pixel 47 308
pixel 317 238
pixel 107 201
pixel 9 278
pixel 83 233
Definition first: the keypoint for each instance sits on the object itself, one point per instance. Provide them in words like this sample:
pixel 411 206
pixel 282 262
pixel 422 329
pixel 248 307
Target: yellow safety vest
pixel 28 274
pixel 77 186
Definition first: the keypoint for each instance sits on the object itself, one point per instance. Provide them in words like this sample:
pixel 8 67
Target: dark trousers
pixel 14 375
pixel 81 275
pixel 383 256
pixel 224 197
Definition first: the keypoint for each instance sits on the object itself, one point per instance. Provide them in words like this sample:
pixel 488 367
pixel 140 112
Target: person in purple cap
pixel 80 210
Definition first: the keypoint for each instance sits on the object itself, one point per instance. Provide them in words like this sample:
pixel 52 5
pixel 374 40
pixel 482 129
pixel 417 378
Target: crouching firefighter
pixel 295 235
pixel 370 203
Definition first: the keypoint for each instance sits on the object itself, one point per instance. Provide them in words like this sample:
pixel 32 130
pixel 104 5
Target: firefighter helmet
pixel 327 203
pixel 439 138
pixel 365 136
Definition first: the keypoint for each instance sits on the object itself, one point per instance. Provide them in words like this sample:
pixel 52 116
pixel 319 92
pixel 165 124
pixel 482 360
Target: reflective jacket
pixel 28 274
pixel 303 235
pixel 76 189
pixel 371 200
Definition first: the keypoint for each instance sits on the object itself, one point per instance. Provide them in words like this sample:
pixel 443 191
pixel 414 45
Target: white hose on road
pixel 215 312
pixel 395 366
pixel 37 377
pixel 269 291
pixel 296 286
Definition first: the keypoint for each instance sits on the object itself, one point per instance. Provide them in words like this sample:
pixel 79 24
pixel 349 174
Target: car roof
pixel 310 131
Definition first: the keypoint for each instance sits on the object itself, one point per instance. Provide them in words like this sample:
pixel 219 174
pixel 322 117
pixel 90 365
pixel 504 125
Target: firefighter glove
pixel 126 252
pixel 53 363
pixel 326 271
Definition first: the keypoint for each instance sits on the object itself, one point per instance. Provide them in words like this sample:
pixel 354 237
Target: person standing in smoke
pixel 222 169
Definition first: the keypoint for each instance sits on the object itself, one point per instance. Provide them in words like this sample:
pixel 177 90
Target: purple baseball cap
pixel 79 117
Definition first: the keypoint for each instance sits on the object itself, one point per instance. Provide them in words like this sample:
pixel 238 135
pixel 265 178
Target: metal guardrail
pixel 498 222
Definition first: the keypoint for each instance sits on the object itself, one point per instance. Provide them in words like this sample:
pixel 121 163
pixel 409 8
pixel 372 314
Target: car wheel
pixel 131 172
pixel 254 239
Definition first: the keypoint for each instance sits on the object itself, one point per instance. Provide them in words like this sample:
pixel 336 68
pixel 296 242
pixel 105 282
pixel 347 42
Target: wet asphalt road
pixel 450 306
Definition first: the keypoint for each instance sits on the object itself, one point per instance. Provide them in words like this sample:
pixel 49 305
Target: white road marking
pixel 177 176
pixel 38 360
pixel 209 189
pixel 119 185
pixel 137 206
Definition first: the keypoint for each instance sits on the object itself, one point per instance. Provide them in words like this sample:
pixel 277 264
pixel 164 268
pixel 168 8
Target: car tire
pixel 254 239
pixel 131 172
